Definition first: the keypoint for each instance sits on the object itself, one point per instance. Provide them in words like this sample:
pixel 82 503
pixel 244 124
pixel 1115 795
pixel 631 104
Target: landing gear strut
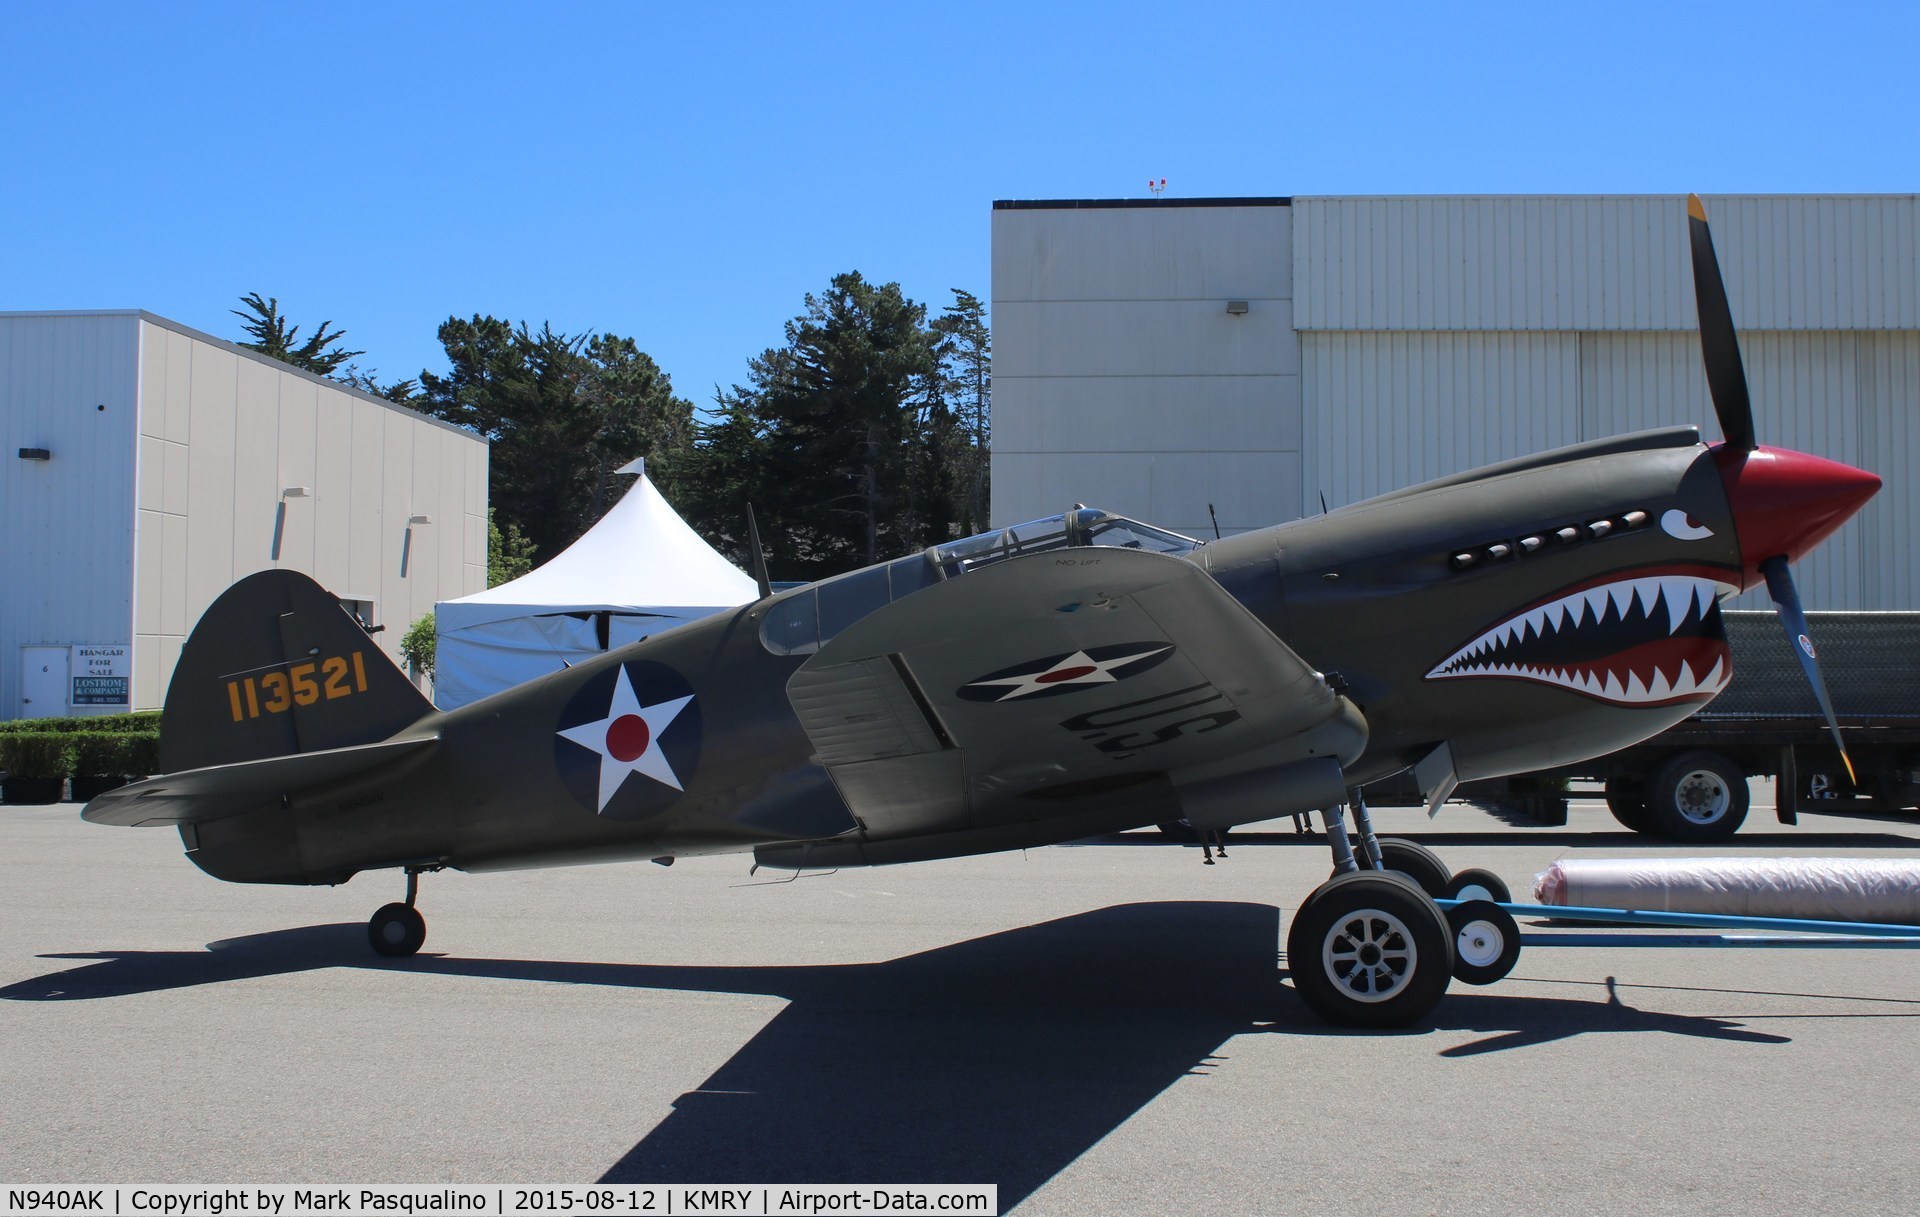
pixel 1368 948
pixel 399 929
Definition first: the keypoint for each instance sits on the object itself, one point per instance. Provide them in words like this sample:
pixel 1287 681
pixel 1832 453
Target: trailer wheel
pixel 1697 797
pixel 1627 800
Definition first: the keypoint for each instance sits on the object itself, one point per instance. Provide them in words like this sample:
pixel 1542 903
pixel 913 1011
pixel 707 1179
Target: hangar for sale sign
pixel 101 675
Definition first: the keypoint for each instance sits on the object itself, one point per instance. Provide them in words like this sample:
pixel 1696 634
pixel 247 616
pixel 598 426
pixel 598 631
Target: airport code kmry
pixel 807 1200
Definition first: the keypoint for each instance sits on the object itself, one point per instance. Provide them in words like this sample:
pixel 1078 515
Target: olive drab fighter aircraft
pixel 1077 675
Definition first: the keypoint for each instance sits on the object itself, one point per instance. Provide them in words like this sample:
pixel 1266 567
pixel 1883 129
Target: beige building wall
pixel 172 457
pixel 229 439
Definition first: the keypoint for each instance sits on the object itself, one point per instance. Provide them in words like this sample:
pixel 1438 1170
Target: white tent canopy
pixel 640 565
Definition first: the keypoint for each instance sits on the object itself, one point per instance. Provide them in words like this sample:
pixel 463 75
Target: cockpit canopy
pixel 803 620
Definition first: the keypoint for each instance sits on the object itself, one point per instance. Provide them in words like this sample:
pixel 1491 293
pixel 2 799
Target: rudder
pixel 275 667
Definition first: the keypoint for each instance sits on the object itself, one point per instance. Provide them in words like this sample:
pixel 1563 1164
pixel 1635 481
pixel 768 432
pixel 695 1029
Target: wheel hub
pixel 1478 943
pixel 1702 797
pixel 1370 955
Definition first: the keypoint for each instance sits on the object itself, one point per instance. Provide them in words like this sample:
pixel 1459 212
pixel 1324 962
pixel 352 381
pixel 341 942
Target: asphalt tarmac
pixel 1097 1028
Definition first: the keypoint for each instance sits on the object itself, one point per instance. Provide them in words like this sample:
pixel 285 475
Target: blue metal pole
pixel 1718 921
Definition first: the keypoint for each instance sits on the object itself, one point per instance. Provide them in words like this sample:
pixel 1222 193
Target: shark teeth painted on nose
pixel 1643 640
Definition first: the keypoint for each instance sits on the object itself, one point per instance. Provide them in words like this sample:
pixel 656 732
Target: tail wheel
pixel 1486 941
pixel 397 929
pixel 1697 797
pixel 1370 950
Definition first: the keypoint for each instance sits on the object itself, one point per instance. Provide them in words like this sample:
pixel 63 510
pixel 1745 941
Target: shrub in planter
pixel 140 755
pixel 100 763
pixel 141 721
pixel 37 764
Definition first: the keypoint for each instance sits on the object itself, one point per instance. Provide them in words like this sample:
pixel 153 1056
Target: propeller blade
pixel 1719 348
pixel 759 556
pixel 1786 601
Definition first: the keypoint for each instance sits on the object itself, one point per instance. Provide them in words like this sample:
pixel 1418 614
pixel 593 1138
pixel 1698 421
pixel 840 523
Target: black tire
pixel 396 930
pixel 1370 950
pixel 1486 941
pixel 1474 883
pixel 1627 800
pixel 1697 797
pixel 1411 859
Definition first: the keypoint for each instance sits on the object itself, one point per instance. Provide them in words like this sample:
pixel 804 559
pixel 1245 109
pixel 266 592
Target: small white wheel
pixel 1486 941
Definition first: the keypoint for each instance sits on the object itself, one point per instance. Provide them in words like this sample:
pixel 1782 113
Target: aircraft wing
pixel 1058 684
pixel 196 795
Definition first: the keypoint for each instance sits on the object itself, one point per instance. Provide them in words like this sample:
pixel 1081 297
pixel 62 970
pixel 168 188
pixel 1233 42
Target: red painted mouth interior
pixel 1660 662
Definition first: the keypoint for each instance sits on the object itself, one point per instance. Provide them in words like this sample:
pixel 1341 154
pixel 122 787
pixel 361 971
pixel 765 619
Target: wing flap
pixel 194 796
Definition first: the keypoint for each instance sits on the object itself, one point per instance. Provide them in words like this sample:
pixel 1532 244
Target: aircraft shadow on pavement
pixel 1001 1059
pixel 1524 1022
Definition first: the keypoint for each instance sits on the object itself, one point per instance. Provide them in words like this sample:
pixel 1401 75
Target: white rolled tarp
pixel 1822 889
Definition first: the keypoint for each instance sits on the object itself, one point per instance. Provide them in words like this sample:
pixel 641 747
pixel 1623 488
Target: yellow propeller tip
pixel 1695 209
pixel 1852 778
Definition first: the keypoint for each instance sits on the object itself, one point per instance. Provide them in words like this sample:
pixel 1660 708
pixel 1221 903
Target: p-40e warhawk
pixel 1056 680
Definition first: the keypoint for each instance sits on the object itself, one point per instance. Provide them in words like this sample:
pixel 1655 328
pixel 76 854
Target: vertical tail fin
pixel 276 667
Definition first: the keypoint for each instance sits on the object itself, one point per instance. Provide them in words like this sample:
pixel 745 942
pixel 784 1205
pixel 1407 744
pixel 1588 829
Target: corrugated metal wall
pixel 67 384
pixel 1385 410
pixel 1483 328
pixel 1602 263
pixel 1437 334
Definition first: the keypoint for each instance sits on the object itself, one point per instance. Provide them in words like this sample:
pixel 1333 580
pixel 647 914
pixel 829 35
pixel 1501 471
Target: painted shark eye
pixel 1680 525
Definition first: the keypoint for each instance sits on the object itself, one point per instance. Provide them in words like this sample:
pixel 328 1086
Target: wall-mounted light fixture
pixel 295 492
pixel 1236 308
pixel 35 454
pixel 406 541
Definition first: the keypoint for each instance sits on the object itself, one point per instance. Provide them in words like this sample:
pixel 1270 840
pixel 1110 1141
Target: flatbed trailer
pixel 1689 783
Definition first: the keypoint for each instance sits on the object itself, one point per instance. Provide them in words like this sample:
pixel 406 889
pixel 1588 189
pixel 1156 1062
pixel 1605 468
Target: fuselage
pixel 1525 615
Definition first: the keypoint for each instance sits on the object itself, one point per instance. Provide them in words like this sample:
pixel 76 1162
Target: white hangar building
pixel 147 466
pixel 1154 357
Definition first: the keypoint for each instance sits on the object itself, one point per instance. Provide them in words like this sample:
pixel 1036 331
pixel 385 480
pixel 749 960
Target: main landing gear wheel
pixel 397 929
pixel 1486 942
pixel 1370 950
pixel 1697 797
pixel 1413 860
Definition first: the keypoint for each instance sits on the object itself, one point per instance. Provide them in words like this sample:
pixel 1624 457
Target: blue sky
pixel 685 174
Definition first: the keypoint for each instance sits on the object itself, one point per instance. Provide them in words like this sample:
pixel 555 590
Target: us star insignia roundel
pixel 629 740
pixel 1058 674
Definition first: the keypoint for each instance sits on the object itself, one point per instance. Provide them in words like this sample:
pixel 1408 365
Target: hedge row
pixel 59 754
pixel 140 722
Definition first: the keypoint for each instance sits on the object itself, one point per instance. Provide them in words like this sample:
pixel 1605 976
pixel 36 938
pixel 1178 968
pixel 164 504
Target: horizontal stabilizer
pixel 196 795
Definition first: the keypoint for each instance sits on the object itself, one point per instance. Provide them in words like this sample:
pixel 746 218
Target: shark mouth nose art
pixel 1631 640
